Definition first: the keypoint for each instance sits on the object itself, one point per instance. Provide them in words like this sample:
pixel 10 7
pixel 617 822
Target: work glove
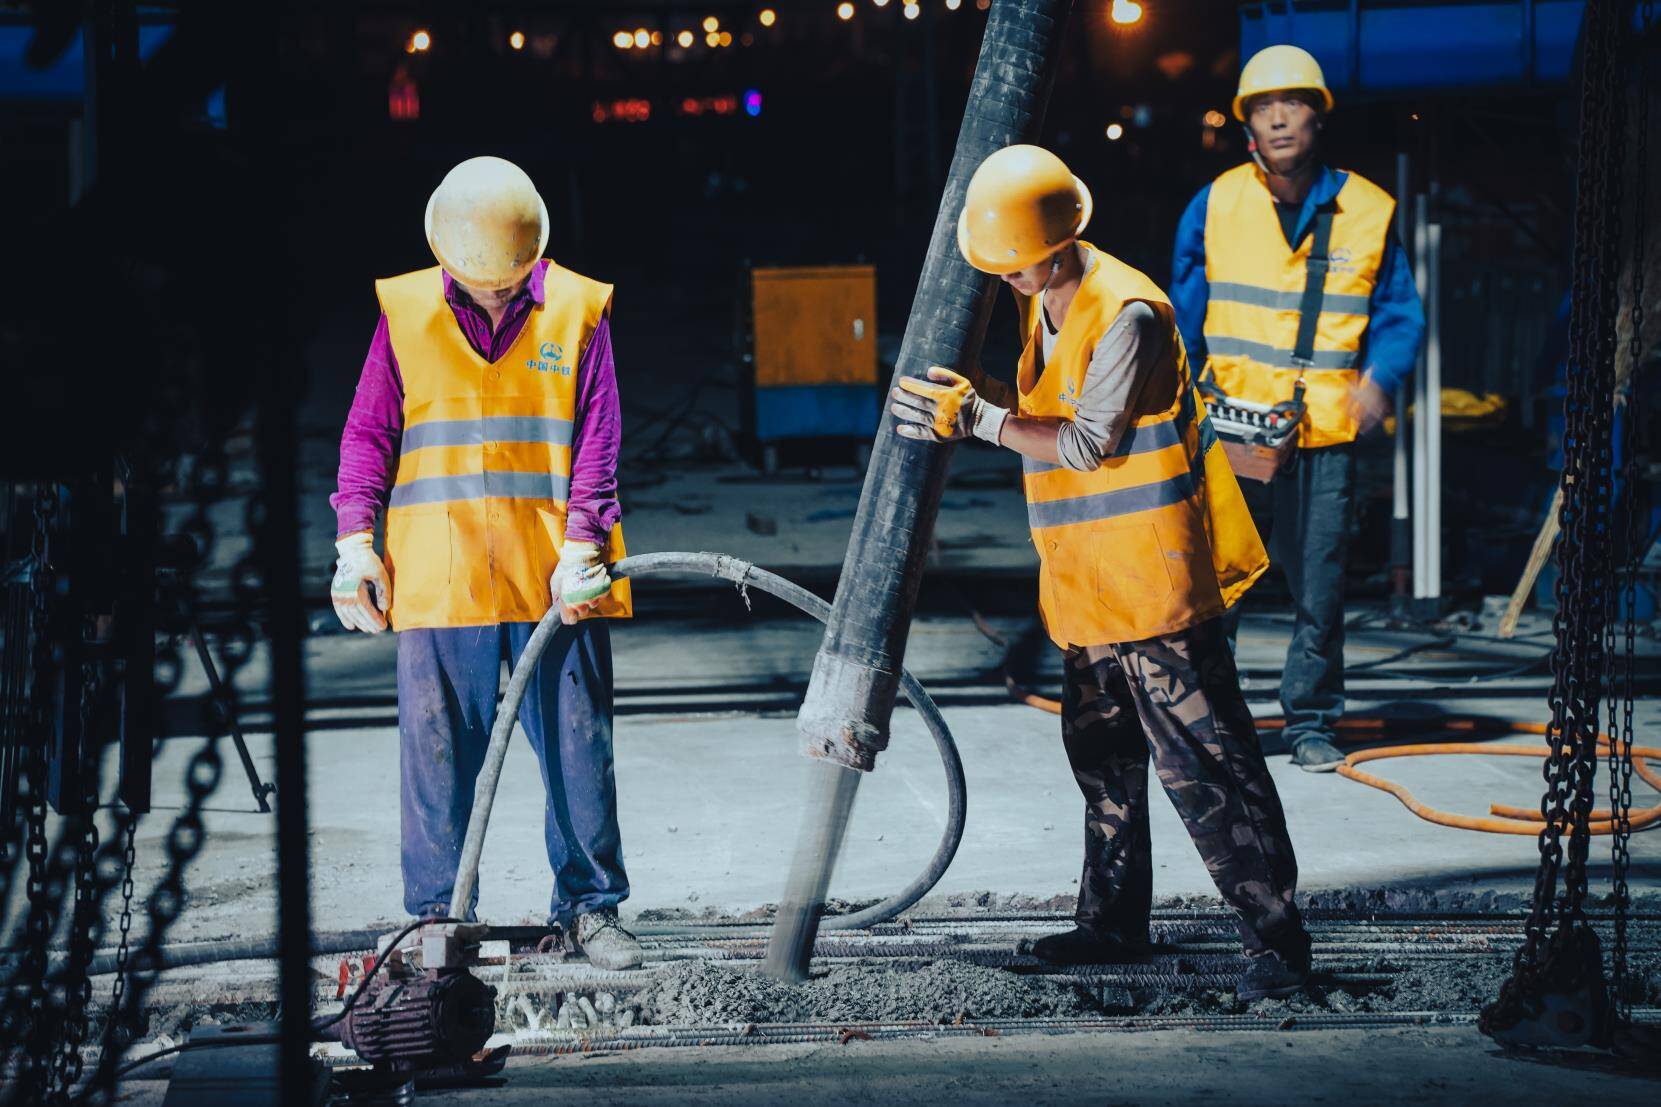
pixel 358 573
pixel 944 408
pixel 580 580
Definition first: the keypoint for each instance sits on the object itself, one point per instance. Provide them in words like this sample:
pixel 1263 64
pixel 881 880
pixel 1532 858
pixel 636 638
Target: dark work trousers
pixel 1176 697
pixel 447 687
pixel 1305 517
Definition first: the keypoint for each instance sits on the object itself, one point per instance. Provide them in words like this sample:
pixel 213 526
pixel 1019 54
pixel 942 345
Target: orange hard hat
pixel 486 224
pixel 1022 205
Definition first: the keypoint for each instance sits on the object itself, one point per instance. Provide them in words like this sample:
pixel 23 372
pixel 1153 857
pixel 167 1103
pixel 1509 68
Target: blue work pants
pixel 448 679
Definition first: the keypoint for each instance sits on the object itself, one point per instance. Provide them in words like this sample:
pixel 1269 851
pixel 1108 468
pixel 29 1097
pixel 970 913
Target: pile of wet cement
pixel 941 991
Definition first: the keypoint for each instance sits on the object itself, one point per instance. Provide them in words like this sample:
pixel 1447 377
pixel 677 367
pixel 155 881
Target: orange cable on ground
pixel 1502 818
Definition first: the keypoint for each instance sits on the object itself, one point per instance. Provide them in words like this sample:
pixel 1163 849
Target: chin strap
pixel 1055 267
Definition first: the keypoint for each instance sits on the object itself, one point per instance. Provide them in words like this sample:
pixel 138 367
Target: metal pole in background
pixel 1433 421
pixel 1421 449
pixel 1401 526
pixel 844 719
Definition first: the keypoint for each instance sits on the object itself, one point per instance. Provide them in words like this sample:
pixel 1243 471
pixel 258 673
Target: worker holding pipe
pixel 1143 543
pixel 1289 283
pixel 486 426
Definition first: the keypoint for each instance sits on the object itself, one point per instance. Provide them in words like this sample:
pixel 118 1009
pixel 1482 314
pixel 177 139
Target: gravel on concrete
pixel 942 991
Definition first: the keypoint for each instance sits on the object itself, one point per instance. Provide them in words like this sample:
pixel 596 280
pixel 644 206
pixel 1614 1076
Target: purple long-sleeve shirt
pixel 375 425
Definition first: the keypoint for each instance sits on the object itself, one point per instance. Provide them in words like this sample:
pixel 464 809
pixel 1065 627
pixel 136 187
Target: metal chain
pixel 1621 733
pixel 1584 589
pixel 35 1031
pixel 85 917
pixel 115 1032
pixel 204 476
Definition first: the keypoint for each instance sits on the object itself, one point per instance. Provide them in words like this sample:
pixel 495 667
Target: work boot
pixel 1316 755
pixel 1271 976
pixel 1084 945
pixel 607 944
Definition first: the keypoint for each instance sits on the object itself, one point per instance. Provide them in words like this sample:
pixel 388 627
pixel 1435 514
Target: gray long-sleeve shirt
pixel 1120 365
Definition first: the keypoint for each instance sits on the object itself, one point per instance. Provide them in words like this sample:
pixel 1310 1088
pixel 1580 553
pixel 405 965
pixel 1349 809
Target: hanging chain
pixel 35 1071
pixel 205 478
pixel 83 932
pixel 115 1032
pixel 1585 592
pixel 1621 733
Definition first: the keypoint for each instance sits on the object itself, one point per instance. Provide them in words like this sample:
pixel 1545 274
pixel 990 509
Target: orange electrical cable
pixel 1502 818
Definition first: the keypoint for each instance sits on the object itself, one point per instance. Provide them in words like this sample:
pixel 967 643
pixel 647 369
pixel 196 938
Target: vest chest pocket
pixel 1131 567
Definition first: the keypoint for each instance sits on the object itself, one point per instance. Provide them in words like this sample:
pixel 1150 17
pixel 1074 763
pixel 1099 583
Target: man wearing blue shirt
pixel 1289 283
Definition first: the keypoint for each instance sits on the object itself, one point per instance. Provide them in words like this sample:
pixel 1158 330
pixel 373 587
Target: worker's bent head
pixel 1039 276
pixel 1022 207
pixel 486 225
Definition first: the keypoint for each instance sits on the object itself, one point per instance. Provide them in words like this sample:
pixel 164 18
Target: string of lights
pixel 677 37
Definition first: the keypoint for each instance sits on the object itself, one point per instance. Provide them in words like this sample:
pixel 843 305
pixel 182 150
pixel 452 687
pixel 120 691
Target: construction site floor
pixel 1433 1065
pixel 709 794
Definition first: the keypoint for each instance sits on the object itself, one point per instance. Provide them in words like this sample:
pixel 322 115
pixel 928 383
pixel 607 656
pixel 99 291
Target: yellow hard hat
pixel 1280 69
pixel 486 224
pixel 1022 205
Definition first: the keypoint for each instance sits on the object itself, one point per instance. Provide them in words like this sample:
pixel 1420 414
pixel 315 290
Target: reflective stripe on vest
pixel 477 511
pixel 1157 539
pixel 1256 292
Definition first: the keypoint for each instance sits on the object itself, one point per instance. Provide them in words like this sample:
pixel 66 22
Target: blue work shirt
pixel 1396 319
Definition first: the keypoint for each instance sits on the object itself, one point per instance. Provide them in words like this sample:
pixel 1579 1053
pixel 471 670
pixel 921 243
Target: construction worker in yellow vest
pixel 486 429
pixel 1143 542
pixel 1289 283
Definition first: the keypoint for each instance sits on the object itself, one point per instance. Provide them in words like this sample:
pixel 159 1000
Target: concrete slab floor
pixel 709 809
pixel 1177 1067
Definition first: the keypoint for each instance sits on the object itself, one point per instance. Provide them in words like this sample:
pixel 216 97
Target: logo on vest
pixel 1342 261
pixel 551 359
pixel 1069 396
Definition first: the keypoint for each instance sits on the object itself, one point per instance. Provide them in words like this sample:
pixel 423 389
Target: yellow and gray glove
pixel 580 580
pixel 361 589
pixel 944 408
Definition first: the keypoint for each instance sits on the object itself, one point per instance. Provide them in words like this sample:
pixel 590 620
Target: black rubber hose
pixel 741 573
pixel 744 575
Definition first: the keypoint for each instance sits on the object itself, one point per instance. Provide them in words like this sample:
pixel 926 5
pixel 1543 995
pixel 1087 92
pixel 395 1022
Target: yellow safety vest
pixel 1158 539
pixel 1257 292
pixel 477 512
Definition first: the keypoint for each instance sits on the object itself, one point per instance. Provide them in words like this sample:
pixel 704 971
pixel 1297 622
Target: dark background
pixel 222 245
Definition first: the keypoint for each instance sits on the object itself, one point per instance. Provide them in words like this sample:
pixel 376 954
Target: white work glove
pixel 580 580
pixel 358 571
pixel 946 410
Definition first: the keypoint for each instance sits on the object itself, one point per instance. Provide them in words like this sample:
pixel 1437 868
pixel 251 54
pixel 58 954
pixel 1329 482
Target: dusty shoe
pixel 607 944
pixel 1271 976
pixel 1084 945
pixel 1316 755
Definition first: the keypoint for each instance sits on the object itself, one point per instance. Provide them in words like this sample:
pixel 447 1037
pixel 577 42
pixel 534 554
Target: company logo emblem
pixel 1069 396
pixel 550 359
pixel 1342 260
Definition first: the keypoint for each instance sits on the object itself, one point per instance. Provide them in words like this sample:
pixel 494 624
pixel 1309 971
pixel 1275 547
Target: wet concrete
pixel 941 991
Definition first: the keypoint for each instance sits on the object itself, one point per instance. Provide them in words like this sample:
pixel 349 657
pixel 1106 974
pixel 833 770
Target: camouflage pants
pixel 1176 697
